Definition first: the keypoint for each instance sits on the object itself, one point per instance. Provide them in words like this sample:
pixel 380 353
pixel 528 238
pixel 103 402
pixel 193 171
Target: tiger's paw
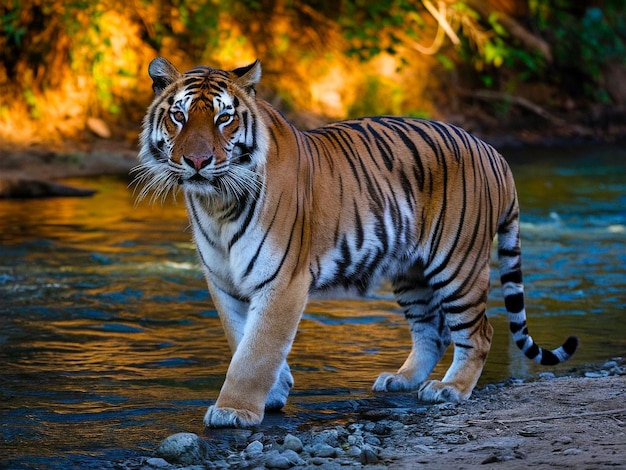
pixel 277 398
pixel 440 392
pixel 230 418
pixel 387 382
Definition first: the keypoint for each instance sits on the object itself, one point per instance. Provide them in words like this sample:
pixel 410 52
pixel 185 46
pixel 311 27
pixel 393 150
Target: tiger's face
pixel 202 133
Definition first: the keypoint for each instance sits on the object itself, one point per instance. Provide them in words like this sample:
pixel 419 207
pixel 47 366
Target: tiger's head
pixel 203 133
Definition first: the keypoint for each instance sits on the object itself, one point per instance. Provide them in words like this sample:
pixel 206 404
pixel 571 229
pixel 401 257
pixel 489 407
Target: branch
pixel 514 28
pixel 440 16
pixel 488 95
pixel 443 29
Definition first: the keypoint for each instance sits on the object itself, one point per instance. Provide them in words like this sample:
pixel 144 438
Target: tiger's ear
pixel 162 73
pixel 247 77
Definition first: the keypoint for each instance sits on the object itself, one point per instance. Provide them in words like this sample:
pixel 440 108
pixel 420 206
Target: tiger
pixel 279 214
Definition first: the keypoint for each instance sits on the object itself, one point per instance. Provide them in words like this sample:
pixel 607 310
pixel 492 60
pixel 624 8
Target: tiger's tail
pixel 509 256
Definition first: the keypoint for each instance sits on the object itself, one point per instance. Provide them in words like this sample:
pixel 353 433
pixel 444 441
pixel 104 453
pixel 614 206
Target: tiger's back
pixel 278 214
pixel 397 193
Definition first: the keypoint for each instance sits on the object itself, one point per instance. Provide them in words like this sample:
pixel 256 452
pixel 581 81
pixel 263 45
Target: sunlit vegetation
pixel 63 61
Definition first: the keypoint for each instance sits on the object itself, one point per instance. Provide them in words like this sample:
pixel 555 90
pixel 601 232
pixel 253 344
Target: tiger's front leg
pixel 258 374
pixel 233 313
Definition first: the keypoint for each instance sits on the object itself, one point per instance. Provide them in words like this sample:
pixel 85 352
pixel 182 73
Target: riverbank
pixel 578 421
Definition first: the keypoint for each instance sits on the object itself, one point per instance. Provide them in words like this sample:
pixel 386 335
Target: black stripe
pixel 514 303
pixel 508 252
pixel 532 352
pixel 282 261
pixel 548 358
pixel 258 250
pixel 418 169
pixel 194 213
pixel 244 224
pixel 360 234
pixel 469 324
pixel 514 277
pixel 515 327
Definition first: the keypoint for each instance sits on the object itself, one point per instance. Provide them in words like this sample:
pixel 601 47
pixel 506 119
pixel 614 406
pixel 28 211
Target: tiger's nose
pixel 198 163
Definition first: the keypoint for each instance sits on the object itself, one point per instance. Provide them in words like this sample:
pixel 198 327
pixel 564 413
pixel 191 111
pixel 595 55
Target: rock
pixel 253 449
pixel 529 432
pixel 183 448
pixel 323 450
pixel 596 375
pixel 382 429
pixel 157 462
pixel 572 451
pixel 274 459
pixel 293 457
pixel 25 189
pixel 564 440
pixel 328 436
pixel 354 451
pixel 368 456
pixel 293 443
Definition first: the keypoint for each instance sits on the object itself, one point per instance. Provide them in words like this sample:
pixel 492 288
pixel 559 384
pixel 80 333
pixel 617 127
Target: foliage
pixel 583 41
pixel 582 38
pixel 97 50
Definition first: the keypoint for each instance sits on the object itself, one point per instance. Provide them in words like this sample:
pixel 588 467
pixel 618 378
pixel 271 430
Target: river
pixel 109 341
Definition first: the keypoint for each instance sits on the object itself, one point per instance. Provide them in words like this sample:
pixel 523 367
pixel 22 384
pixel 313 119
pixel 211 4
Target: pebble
pixel 529 432
pixel 323 450
pixel 253 449
pixel 293 443
pixel 354 452
pixel 572 451
pixel 596 375
pixel 382 429
pixel 184 448
pixel 422 449
pixel 274 459
pixel 372 440
pixel 368 456
pixel 157 462
pixel 564 440
pixel 293 457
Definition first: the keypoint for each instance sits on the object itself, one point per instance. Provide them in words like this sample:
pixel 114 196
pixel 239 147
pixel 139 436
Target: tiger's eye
pixel 178 116
pixel 223 118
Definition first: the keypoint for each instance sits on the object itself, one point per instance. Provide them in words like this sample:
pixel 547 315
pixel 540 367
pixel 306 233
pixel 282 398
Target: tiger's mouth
pixel 198 178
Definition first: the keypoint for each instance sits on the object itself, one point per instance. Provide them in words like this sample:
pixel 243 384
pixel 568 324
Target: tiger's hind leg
pixel 464 310
pixel 430 336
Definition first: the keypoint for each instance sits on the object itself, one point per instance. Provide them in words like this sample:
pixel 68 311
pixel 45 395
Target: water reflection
pixel 108 340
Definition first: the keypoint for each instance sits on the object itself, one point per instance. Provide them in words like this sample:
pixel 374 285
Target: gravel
pixel 395 430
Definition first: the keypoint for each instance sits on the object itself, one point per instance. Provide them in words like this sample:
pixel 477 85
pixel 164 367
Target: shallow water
pixel 109 341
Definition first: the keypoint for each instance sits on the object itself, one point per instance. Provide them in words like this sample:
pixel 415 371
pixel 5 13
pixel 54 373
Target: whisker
pixel 153 178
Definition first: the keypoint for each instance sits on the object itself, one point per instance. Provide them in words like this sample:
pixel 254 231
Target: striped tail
pixel 509 256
